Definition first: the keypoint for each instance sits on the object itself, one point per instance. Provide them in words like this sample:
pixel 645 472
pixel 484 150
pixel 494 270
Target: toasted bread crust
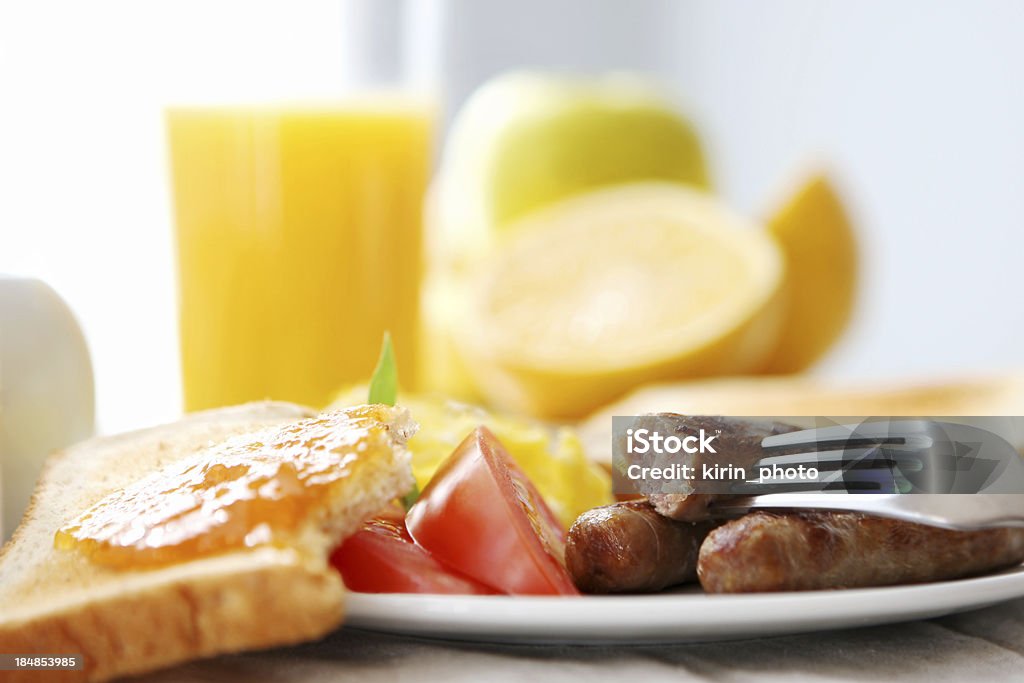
pixel 125 622
pixel 177 620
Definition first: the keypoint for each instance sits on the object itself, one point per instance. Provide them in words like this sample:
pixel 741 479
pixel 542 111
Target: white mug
pixel 46 388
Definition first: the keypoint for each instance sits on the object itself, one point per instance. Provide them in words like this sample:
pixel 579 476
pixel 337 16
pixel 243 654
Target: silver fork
pixel 942 474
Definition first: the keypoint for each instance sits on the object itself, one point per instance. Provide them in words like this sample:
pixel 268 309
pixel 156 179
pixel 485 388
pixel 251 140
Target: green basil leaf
pixel 410 498
pixel 384 383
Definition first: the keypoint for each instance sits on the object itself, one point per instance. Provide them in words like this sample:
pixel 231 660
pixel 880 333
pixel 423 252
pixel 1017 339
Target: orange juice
pixel 299 243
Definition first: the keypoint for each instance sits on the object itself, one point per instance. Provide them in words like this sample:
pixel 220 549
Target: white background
pixel 917 106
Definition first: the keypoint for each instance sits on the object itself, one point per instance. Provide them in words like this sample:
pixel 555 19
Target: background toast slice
pixel 58 602
pixel 786 397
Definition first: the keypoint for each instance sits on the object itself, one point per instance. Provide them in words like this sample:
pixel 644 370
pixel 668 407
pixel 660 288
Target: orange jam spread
pixel 250 490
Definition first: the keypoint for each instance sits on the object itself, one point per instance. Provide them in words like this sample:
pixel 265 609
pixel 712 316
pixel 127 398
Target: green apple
pixel 526 139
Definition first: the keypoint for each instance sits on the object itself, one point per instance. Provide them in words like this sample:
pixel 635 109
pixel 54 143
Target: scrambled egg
pixel 553 458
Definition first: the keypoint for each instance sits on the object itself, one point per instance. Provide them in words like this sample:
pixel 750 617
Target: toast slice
pixel 783 397
pixel 131 620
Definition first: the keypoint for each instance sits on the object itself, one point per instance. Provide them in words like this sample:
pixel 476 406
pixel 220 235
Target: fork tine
pixel 828 486
pixel 850 458
pixel 889 432
pixel 874 479
pixel 962 512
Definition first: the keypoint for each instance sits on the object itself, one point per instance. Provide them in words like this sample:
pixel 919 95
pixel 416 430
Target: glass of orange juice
pixel 299 238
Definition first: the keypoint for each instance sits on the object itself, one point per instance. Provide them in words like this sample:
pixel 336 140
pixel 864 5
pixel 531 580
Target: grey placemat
pixel 984 645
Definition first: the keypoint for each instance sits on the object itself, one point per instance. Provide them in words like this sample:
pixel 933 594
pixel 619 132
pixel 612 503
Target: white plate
pixel 670 617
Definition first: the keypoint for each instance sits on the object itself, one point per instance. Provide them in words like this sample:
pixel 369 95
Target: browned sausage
pixel 809 550
pixel 630 548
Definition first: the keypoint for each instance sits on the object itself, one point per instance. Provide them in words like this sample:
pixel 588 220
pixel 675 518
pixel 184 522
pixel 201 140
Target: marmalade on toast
pixel 251 490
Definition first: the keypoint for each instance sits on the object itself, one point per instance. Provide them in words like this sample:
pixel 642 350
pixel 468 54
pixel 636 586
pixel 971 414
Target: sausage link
pixel 809 550
pixel 630 548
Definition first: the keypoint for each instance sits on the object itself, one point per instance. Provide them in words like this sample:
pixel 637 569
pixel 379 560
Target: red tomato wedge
pixel 482 516
pixel 382 558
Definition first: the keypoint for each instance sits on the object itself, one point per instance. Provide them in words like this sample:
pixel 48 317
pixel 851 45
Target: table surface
pixel 983 645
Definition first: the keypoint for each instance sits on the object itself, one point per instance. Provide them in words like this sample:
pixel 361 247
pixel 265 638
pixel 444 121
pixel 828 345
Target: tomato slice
pixel 482 516
pixel 382 558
